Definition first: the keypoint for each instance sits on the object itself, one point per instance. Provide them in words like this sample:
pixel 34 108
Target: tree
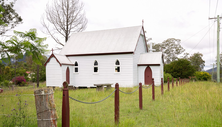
pixel 1 11
pixel 28 44
pixel 180 68
pixel 171 48
pixel 197 61
pixel 64 17
pixel 9 16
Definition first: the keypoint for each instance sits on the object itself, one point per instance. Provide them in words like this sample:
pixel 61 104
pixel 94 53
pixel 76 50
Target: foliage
pixel 9 16
pixel 180 68
pixel 19 80
pixel 32 67
pixel 5 83
pixel 64 17
pixel 171 48
pixel 28 44
pixel 18 116
pixel 1 11
pixel 166 75
pixel 197 61
pixel 202 76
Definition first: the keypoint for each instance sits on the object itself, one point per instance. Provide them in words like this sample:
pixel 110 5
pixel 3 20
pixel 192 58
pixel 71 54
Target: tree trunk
pixel 15 72
pixel 37 78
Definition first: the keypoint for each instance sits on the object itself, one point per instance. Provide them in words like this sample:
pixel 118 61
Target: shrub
pixel 166 75
pixel 202 76
pixel 5 83
pixel 19 80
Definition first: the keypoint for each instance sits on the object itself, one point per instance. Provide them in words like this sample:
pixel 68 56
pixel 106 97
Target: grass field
pixel 193 104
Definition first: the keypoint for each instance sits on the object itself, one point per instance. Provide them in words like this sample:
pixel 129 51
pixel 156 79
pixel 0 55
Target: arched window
pixel 76 69
pixel 96 69
pixel 117 66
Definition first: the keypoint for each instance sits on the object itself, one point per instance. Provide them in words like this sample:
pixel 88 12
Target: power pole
pixel 212 73
pixel 218 46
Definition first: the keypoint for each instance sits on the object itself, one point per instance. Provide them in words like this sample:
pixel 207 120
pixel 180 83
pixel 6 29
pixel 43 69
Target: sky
pixel 186 20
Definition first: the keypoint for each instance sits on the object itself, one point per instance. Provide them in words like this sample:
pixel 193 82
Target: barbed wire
pixel 129 92
pixel 92 102
pixel 147 87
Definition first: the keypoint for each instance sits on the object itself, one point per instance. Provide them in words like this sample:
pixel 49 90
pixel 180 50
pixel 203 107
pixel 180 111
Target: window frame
pixel 76 65
pixel 95 66
pixel 117 66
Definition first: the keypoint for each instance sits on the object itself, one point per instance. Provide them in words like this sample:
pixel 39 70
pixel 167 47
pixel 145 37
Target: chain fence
pixel 147 87
pixel 130 92
pixel 92 102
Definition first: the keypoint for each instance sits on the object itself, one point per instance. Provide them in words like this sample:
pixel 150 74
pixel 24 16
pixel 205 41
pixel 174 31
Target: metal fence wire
pixel 130 92
pixel 92 102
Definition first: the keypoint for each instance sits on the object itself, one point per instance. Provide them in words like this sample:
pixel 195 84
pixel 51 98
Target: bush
pixel 202 76
pixel 19 80
pixel 5 83
pixel 166 75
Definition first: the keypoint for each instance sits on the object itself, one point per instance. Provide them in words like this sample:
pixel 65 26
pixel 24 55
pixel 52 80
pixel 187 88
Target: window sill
pixel 96 73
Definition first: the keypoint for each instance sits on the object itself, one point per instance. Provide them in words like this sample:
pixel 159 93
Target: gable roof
pixel 113 41
pixel 61 59
pixel 151 59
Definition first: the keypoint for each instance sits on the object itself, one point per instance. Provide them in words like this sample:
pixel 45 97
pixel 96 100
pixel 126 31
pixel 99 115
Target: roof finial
pixel 142 22
pixel 52 50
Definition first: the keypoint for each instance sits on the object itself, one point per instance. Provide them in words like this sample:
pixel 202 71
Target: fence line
pixel 147 87
pixel 92 102
pixel 130 92
pixel 17 95
pixel 65 104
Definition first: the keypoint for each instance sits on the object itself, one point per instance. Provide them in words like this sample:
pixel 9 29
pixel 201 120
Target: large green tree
pixel 24 43
pixel 9 16
pixel 180 68
pixel 197 61
pixel 171 48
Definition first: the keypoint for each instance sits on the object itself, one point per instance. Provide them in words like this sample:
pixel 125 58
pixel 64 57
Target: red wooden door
pixel 148 76
pixel 67 75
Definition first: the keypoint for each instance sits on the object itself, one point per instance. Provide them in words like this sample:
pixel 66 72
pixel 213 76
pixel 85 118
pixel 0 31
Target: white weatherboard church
pixel 105 57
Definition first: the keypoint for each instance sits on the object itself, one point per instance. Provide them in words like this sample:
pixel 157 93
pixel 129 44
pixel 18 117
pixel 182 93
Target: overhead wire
pixel 202 38
pixel 216 9
pixel 195 34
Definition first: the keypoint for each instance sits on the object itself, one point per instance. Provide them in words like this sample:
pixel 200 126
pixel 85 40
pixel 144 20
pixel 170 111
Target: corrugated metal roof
pixel 150 58
pixel 103 41
pixel 63 59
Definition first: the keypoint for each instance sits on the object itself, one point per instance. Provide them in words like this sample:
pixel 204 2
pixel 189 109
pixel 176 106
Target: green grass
pixel 193 104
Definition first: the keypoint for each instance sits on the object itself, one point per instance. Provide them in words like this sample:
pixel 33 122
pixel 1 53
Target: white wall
pixel 156 75
pixel 53 73
pixel 140 48
pixel 106 74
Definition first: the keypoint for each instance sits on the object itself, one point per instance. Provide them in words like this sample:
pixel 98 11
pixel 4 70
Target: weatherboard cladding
pixel 152 58
pixel 121 40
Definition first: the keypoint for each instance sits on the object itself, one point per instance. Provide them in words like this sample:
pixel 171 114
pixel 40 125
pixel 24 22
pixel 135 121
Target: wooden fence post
pixel 45 108
pixel 162 86
pixel 168 84
pixel 172 82
pixel 153 89
pixel 140 96
pixel 117 104
pixel 65 106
